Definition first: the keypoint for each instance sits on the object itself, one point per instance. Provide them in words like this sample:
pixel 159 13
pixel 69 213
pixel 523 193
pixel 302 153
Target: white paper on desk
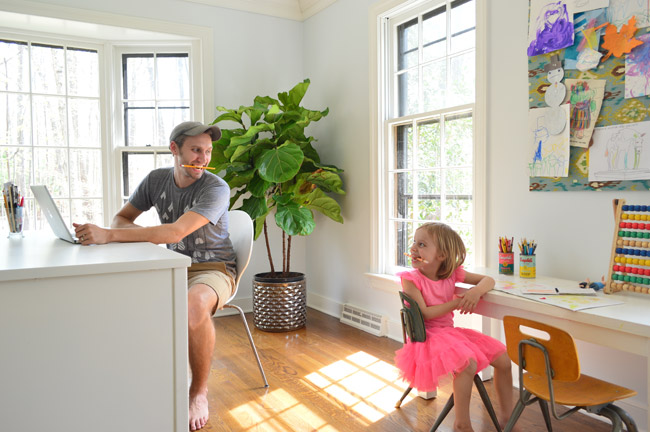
pixel 577 302
pixel 550 290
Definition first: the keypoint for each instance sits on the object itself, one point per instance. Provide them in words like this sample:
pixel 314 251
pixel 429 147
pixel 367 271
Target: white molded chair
pixel 241 236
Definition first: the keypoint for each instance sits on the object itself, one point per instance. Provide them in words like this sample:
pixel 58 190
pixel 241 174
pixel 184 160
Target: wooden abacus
pixel 629 266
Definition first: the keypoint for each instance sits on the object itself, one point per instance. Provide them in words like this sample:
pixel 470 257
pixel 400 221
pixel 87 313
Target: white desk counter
pixel 625 327
pixel 92 337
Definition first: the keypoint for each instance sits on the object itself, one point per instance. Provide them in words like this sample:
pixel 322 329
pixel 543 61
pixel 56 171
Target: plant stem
pixel 284 253
pixel 289 254
pixel 268 247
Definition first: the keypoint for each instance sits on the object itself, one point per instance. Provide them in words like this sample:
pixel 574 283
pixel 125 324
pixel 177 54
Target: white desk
pixel 625 327
pixel 92 337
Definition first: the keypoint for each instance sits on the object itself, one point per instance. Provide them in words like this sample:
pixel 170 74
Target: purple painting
pixel 552 29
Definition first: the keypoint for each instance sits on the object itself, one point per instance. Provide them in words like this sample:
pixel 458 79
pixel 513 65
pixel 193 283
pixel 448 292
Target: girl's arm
pixel 429 312
pixel 469 299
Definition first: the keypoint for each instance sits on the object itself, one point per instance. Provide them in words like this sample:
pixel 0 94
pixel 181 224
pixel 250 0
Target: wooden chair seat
pixel 586 391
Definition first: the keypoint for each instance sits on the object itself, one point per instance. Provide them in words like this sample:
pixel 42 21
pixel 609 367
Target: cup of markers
pixel 527 264
pixel 13 203
pixel 506 256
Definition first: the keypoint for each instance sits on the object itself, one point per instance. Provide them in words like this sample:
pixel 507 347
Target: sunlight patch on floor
pixel 362 382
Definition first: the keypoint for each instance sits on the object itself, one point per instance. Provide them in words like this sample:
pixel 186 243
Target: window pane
pixel 136 166
pixel 173 76
pixel 459 146
pixel 463 24
pixel 51 170
pixel 84 122
pixel 88 211
pixel 467 236
pixel 462 88
pixel 403 195
pixel 459 210
pixel 404 147
pixel 47 69
pixel 164 160
pixel 49 120
pixel 140 124
pixel 167 119
pixel 403 240
pixel 139 76
pixel 14 66
pixel 429 144
pixel 408 93
pixel 85 173
pixel 14 124
pixel 83 72
pixel 407 42
pixel 16 166
pixel 458 181
pixel 434 78
pixel 434 28
pixel 429 189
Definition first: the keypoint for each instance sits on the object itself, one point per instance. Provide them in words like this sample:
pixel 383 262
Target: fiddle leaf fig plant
pixel 267 159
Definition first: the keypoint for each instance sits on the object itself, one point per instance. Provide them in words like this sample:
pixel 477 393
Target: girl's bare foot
pixel 199 412
pixel 463 427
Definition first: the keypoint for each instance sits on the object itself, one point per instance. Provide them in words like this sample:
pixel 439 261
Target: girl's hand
pixel 468 301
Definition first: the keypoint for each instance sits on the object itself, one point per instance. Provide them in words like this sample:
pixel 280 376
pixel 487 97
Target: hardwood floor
pixel 330 377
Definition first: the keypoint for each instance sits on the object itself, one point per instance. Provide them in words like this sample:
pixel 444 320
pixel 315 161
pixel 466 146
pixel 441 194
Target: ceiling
pixel 298 10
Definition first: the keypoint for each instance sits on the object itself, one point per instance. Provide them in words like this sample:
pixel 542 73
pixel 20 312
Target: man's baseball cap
pixel 193 128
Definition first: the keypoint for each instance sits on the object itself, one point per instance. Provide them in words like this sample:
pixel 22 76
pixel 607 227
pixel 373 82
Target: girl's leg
pixel 503 385
pixel 463 382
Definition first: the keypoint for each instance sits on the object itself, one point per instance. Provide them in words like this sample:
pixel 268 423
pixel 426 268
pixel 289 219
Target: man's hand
pixel 91 234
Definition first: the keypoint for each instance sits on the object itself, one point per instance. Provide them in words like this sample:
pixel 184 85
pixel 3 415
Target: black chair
pixel 413 330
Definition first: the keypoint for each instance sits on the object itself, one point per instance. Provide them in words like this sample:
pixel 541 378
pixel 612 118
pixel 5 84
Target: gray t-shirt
pixel 209 196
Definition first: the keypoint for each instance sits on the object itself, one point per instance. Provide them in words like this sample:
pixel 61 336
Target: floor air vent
pixel 364 320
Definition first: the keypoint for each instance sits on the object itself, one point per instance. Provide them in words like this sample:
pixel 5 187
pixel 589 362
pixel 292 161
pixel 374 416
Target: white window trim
pixel 378 51
pixel 91 27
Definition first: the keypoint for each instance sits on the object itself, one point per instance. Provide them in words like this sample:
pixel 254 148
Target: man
pixel 192 204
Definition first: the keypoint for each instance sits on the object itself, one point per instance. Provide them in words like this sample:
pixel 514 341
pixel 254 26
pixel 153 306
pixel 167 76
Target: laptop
pixel 52 214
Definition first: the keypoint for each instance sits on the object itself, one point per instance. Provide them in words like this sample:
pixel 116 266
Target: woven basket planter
pixel 279 303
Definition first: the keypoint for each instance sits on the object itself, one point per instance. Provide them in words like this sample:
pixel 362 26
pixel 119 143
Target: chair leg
pixel 250 339
pixel 516 412
pixel 617 424
pixel 486 401
pixel 628 421
pixel 406 392
pixel 448 406
pixel 546 413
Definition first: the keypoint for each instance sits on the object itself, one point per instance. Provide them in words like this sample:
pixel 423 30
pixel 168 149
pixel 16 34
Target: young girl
pixel 437 254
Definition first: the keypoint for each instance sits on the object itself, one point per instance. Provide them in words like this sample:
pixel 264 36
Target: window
pixel 427 155
pixel 155 97
pixel 50 128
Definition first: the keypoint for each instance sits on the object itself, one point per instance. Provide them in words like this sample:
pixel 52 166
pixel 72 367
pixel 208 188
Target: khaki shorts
pixel 214 275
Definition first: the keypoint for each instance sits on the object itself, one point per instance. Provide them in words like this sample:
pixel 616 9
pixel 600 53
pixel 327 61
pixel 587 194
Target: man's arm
pixel 126 231
pixel 125 218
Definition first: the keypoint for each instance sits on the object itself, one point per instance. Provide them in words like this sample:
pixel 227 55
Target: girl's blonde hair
pixel 449 244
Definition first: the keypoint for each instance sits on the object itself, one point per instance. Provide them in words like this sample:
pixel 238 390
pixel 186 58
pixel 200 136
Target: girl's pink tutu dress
pixel 447 348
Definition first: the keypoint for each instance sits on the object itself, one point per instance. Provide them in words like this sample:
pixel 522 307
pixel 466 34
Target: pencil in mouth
pixel 416 258
pixel 197 167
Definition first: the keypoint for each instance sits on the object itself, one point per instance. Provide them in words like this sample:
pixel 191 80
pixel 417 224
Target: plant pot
pixel 279 303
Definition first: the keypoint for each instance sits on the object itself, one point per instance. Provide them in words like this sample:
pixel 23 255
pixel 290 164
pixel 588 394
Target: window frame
pixel 381 87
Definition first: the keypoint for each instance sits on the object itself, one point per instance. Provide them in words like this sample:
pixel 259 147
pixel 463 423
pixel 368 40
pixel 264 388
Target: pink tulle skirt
pixel 446 350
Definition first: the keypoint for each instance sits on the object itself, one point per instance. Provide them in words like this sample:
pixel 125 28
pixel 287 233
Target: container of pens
pixel 527 264
pixel 506 256
pixel 13 203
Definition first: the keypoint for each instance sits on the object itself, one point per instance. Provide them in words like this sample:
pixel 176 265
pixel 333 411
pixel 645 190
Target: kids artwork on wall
pixel 596 55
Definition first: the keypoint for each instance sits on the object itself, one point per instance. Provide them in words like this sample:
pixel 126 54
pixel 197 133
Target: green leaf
pixel 255 207
pixel 258 186
pixel 317 200
pixel 295 95
pixel 231 115
pixel 240 150
pixel 259 226
pixel 283 199
pixel 266 101
pixel 328 181
pixel 241 179
pixel 280 164
pixel 294 220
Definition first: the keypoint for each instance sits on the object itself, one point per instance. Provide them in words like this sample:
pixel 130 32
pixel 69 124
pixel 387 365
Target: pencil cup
pixel 16 223
pixel 506 263
pixel 527 268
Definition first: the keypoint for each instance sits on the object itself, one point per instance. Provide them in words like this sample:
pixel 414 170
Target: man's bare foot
pixel 463 427
pixel 199 412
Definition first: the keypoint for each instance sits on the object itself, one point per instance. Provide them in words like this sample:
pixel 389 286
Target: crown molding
pixel 297 10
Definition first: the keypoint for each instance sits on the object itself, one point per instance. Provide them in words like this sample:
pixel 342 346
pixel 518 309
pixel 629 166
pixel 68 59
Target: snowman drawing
pixel 555 116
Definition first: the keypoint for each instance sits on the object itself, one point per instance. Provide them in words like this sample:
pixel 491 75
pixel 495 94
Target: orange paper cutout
pixel 619 43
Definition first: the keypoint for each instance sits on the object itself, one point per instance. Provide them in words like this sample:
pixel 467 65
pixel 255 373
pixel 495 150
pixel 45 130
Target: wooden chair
pixel 553 375
pixel 241 235
pixel 413 329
